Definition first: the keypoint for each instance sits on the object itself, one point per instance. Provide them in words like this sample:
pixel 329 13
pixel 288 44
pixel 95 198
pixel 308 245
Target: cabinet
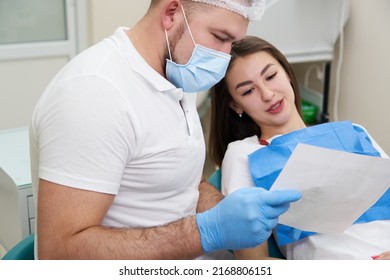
pixel 17 210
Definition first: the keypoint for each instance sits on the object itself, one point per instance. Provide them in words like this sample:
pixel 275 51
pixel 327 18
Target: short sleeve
pixel 235 168
pixel 85 135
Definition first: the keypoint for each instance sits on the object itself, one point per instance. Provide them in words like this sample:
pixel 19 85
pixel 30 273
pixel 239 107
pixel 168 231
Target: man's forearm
pixel 177 240
pixel 209 196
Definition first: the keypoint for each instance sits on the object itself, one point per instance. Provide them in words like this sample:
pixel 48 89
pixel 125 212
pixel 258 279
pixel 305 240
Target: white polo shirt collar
pixel 139 65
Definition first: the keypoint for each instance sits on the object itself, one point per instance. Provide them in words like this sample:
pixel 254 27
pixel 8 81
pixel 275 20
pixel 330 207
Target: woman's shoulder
pixel 246 142
pixel 359 127
pixel 243 147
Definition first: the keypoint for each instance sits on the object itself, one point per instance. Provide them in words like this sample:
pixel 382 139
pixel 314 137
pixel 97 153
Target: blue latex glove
pixel 243 219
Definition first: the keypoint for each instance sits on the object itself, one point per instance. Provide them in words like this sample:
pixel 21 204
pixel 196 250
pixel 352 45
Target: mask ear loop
pixel 169 46
pixel 188 26
pixel 189 30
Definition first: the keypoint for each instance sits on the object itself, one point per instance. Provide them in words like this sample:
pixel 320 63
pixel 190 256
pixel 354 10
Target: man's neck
pixel 149 42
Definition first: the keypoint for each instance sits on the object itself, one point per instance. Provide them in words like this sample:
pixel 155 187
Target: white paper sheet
pixel 337 187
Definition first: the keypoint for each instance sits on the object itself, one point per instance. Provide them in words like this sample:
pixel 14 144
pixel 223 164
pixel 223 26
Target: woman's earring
pixel 240 115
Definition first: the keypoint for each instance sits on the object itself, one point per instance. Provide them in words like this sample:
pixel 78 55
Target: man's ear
pixel 170 9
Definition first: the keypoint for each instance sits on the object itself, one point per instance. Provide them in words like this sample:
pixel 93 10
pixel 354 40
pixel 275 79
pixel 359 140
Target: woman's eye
pixel 247 91
pixel 270 77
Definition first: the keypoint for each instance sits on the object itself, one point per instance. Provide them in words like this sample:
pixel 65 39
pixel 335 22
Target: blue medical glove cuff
pixel 206 228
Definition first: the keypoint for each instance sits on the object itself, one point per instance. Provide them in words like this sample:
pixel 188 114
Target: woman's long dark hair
pixel 226 126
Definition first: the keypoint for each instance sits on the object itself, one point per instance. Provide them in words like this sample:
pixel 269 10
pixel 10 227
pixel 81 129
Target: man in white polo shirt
pixel 117 146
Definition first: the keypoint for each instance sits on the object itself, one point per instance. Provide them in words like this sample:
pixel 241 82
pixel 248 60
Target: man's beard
pixel 173 42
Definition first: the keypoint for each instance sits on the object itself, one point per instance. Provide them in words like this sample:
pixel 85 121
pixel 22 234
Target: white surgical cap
pixel 250 9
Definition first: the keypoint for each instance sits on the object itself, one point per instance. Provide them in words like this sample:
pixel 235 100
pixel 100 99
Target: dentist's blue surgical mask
pixel 205 68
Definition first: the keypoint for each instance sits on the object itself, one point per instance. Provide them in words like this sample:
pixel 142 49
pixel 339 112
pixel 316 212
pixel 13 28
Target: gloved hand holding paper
pixel 337 187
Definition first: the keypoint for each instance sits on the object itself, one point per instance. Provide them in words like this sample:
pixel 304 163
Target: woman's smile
pixel 276 108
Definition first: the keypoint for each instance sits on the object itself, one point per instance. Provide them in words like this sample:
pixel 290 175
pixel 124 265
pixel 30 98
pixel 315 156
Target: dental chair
pixel 24 250
pixel 273 250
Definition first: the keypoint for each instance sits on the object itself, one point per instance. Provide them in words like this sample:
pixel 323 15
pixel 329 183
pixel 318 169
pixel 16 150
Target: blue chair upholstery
pixel 215 179
pixel 273 249
pixel 24 250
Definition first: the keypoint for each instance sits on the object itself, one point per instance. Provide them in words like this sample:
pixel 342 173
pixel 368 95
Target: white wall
pixel 106 16
pixel 22 82
pixel 365 88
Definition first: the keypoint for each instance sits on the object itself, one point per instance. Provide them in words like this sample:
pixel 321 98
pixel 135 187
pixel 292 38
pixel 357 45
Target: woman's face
pixel 261 88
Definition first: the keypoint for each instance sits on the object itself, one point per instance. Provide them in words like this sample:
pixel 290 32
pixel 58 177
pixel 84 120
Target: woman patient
pixel 258 102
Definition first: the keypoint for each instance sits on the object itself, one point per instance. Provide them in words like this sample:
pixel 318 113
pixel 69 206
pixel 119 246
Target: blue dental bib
pixel 266 164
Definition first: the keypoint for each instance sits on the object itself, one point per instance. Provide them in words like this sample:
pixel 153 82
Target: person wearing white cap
pixel 117 146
